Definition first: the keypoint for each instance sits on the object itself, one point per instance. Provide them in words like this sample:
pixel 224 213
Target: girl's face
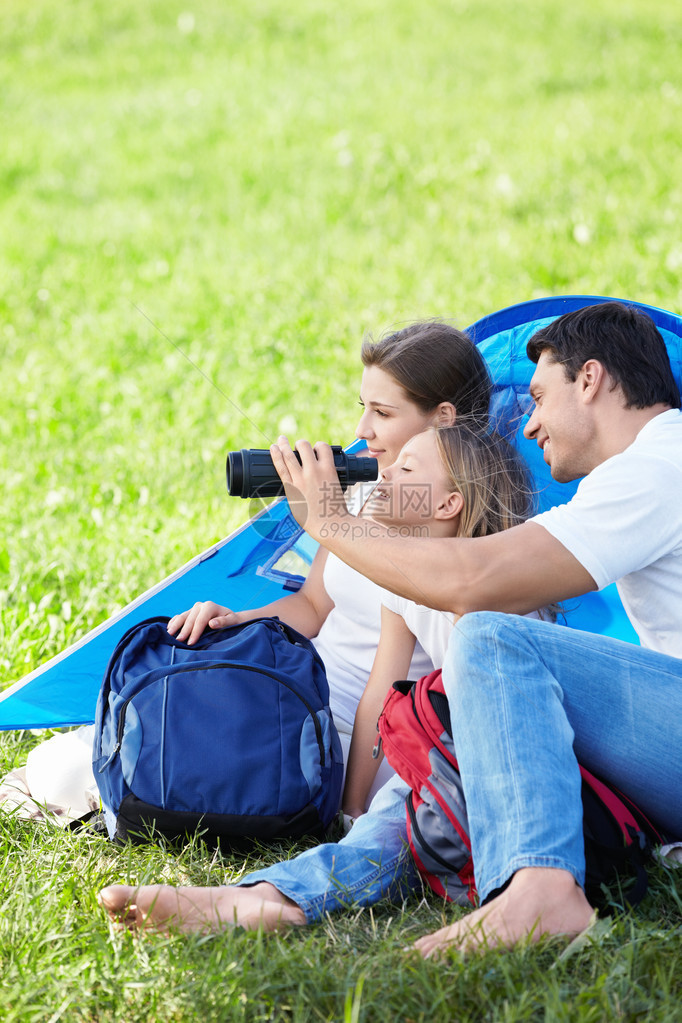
pixel 389 418
pixel 416 491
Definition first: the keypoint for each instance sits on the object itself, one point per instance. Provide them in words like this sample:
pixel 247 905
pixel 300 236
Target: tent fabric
pixel 263 559
pixel 64 690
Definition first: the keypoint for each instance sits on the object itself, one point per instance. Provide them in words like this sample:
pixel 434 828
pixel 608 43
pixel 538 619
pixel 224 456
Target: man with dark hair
pixel 529 699
pixel 623 339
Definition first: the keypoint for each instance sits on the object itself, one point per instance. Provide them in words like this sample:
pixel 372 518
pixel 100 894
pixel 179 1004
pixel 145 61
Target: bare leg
pixel 538 901
pixel 200 909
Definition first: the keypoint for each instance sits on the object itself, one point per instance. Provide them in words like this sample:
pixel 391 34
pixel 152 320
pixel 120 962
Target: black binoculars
pixel 251 473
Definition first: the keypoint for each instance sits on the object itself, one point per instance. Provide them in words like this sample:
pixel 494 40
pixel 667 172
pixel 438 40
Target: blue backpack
pixel 232 736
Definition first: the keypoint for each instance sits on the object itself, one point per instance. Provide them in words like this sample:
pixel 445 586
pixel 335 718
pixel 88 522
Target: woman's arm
pixel 304 611
pixel 392 662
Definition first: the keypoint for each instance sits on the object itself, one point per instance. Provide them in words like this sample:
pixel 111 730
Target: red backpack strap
pixel 618 836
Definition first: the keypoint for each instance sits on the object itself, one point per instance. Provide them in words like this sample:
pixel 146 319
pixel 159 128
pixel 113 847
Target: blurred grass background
pixel 235 193
pixel 203 208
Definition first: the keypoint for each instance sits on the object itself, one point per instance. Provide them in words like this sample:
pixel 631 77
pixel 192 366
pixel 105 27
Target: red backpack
pixel 415 732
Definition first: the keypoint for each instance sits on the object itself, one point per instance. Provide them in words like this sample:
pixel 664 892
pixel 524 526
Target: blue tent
pixel 269 555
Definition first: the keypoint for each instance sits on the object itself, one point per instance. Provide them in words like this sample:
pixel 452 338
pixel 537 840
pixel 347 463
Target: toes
pixel 132 907
pixel 118 900
pixel 429 946
pixel 115 897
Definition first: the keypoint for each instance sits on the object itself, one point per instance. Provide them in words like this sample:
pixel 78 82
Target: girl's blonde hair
pixel 491 476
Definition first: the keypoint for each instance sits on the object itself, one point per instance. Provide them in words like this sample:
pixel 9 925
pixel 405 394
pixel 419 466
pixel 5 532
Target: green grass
pixel 59 954
pixel 203 208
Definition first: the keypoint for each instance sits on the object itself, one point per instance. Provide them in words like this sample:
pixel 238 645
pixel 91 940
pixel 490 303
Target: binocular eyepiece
pixel 251 473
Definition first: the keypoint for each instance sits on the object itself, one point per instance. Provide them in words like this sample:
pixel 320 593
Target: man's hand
pixel 312 487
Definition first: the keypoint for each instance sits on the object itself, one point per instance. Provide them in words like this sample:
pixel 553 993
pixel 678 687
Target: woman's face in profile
pixel 389 418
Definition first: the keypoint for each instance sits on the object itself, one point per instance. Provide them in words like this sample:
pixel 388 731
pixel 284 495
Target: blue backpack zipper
pixel 182 667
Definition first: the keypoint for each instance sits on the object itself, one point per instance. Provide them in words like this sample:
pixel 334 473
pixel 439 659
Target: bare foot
pixel 538 901
pixel 200 910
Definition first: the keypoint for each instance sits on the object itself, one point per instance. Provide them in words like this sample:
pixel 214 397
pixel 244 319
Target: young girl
pixel 454 481
pixel 446 482
pixel 426 374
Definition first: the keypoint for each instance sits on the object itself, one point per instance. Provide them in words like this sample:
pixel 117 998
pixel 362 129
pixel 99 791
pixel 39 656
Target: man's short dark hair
pixel 626 342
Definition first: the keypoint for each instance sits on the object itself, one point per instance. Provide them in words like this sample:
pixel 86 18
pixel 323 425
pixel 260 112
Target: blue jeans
pixel 526 699
pixel 371 862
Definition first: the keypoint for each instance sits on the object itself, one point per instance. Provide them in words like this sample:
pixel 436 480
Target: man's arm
pixel 516 571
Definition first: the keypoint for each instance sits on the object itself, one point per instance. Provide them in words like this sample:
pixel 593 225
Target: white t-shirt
pixel 349 637
pixel 624 525
pixel 432 628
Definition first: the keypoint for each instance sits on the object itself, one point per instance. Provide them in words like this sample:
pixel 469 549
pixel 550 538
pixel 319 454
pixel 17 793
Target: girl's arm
pixel 305 610
pixel 392 662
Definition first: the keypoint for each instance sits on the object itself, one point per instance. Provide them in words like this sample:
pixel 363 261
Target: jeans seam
pixel 509 745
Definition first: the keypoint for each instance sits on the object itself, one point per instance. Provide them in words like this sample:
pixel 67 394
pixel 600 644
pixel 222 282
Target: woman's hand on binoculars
pixel 190 625
pixel 312 487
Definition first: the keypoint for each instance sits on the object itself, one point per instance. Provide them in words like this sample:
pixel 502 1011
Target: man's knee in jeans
pixel 470 644
pixel 477 624
pixel 472 638
pixel 481 644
